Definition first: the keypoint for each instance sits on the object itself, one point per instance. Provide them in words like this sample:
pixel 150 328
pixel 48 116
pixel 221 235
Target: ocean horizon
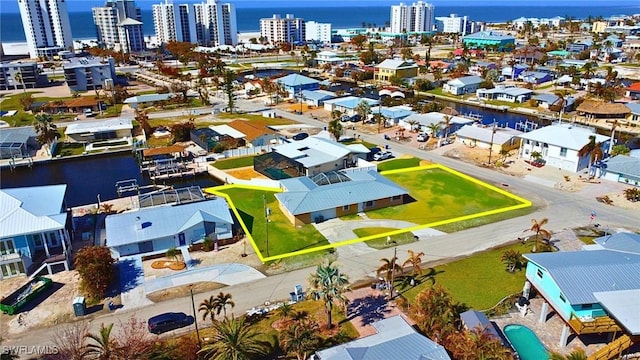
pixel 248 18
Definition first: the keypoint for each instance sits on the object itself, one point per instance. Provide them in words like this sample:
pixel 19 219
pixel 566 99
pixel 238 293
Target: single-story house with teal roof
pixel 34 227
pixel 347 105
pixel 148 100
pixel 306 200
pixel 593 290
pixel 295 83
pixel 316 97
pixel 621 168
pixel 394 339
pixel 153 230
pixel 505 93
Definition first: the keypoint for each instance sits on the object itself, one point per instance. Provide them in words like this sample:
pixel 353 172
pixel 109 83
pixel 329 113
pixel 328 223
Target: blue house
pixel 512 72
pixel 33 229
pixel 156 229
pixel 588 289
pixel 295 83
pixel 535 77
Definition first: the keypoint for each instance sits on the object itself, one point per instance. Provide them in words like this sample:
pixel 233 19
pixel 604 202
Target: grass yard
pixel 398 164
pixel 440 195
pixel 68 149
pixel 381 242
pixel 234 163
pixel 250 117
pixel 283 236
pixel 479 281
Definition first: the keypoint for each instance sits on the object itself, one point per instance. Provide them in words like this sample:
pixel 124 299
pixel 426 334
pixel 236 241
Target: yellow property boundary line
pixel 524 203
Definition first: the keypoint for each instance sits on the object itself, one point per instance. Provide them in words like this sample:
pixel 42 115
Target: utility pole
pixel 393 271
pixel 493 132
pixel 266 221
pixel 195 318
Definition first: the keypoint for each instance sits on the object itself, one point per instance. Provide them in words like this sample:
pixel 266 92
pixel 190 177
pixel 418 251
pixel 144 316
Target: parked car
pixel 422 137
pixel 167 322
pixel 355 118
pixel 372 152
pixel 300 136
pixel 344 118
pixel 88 112
pixel 382 156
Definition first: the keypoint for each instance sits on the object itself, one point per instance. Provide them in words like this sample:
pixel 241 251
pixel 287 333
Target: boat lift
pixel 129 185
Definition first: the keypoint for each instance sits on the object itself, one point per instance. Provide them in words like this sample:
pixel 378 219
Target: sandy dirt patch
pixel 179 291
pixel 245 173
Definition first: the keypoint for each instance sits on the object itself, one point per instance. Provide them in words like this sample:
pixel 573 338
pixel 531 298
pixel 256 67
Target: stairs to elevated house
pixel 615 348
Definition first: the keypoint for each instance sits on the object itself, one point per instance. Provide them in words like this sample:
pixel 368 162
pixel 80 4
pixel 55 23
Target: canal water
pixel 501 118
pixel 89 176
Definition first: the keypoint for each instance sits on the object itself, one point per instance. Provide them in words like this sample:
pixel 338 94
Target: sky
pixel 11 6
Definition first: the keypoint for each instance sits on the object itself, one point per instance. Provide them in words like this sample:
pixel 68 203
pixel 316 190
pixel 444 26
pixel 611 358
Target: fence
pixel 255 150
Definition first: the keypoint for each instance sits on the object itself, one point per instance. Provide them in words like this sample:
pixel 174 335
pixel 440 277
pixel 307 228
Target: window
pixel 539 273
pixel 397 197
pixel 345 207
pixel 563 152
pixel 369 204
pixel 562 298
pixel 587 306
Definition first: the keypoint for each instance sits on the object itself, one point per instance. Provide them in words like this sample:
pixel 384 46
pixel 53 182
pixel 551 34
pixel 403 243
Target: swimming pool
pixel 525 342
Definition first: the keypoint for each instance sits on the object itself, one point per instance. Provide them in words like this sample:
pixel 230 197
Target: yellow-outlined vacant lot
pixel 523 203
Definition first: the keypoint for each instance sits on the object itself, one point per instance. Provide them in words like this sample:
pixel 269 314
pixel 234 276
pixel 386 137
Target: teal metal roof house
pixel 329 195
pixel 486 39
pixel 395 339
pixel 589 289
pixel 158 228
pixel 33 229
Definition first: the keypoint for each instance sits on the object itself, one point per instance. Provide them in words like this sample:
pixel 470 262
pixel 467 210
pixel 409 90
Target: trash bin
pixel 79 306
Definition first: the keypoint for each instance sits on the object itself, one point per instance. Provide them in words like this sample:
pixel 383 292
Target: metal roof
pixel 564 135
pixel 488 35
pixel 316 95
pixel 392 112
pixel 395 339
pixel 99 126
pixel 396 64
pixel 350 102
pixel 624 306
pixel 484 134
pixel 31 210
pixel 227 130
pixel 622 241
pixel 436 117
pixel 548 98
pixel 513 91
pixel 149 98
pixel 18 135
pixel 313 150
pixel 296 80
pixel 466 80
pixel 579 274
pixel 309 197
pixel 623 164
pixel 634 107
pixel 126 228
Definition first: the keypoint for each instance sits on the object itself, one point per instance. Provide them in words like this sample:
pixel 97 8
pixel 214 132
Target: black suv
pixel 167 321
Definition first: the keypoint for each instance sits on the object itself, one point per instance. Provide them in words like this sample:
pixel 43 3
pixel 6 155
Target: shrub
pixel 95 266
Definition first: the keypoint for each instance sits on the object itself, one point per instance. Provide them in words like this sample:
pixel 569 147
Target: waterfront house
pixel 293 84
pixel 559 145
pixel 594 110
pixel 256 132
pixel 146 100
pixel 505 93
pixel 308 157
pixel 396 68
pixel 325 196
pixel 347 105
pixel 17 142
pixel 103 131
pixel 535 77
pixel 155 229
pixel 489 39
pixel 633 119
pixel 393 114
pixel 486 137
pixel 594 290
pixel 316 97
pixel 220 135
pixel 633 91
pixel 622 168
pixel 424 120
pixel 549 101
pixel 394 339
pixel 463 85
pixel 34 226
pixel 89 73
pixel 78 105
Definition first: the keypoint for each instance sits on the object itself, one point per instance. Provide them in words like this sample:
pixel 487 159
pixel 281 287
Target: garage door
pixel 145 246
pixel 320 216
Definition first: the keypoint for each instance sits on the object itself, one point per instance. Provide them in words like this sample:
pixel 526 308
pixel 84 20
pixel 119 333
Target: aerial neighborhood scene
pixel 325 180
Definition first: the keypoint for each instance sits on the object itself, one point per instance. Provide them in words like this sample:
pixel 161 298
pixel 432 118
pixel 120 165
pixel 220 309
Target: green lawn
pixel 68 149
pixel 368 145
pixel 440 195
pixel 268 121
pixel 381 242
pixel 398 164
pixel 479 281
pixel 234 163
pixel 283 236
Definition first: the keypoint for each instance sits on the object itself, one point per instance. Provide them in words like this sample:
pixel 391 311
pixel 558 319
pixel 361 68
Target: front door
pixel 181 240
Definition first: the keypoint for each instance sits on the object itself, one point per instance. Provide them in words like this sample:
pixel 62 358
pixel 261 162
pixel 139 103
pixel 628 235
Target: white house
pixel 424 120
pixel 328 57
pixel 158 228
pixel 347 105
pixel 559 145
pixel 505 93
pixel 463 85
pixel 623 169
pixel 486 137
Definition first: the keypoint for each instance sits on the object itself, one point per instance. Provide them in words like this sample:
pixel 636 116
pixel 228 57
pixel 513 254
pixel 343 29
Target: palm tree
pixel 285 311
pixel 435 128
pixel 541 233
pixel 512 259
pixel 335 129
pixel 614 125
pixel 172 253
pixel 593 150
pixel 389 267
pixel 209 307
pixel 363 109
pixel 446 120
pixel 329 284
pixel 414 125
pixel 336 114
pixel 415 260
pixel 301 339
pixel 104 346
pixel 234 340
pixel 574 355
pixel 222 300
pixel 45 128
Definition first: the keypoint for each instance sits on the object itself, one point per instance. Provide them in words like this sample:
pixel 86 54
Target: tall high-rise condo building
pixel 174 22
pixel 216 23
pixel 46 27
pixel 119 26
pixel 277 29
pixel 318 32
pixel 417 17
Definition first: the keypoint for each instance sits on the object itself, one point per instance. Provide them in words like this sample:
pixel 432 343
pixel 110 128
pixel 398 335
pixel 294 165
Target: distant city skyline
pixel 11 6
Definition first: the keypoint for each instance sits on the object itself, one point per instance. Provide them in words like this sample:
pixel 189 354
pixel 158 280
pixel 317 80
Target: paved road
pixel 564 209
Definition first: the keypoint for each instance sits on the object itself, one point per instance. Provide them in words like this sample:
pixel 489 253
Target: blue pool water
pixel 525 342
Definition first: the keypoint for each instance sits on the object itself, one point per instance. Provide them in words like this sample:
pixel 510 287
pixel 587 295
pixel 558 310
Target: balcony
pixel 598 325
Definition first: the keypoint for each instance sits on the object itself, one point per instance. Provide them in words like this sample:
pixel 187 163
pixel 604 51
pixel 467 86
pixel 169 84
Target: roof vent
pixel 145 225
